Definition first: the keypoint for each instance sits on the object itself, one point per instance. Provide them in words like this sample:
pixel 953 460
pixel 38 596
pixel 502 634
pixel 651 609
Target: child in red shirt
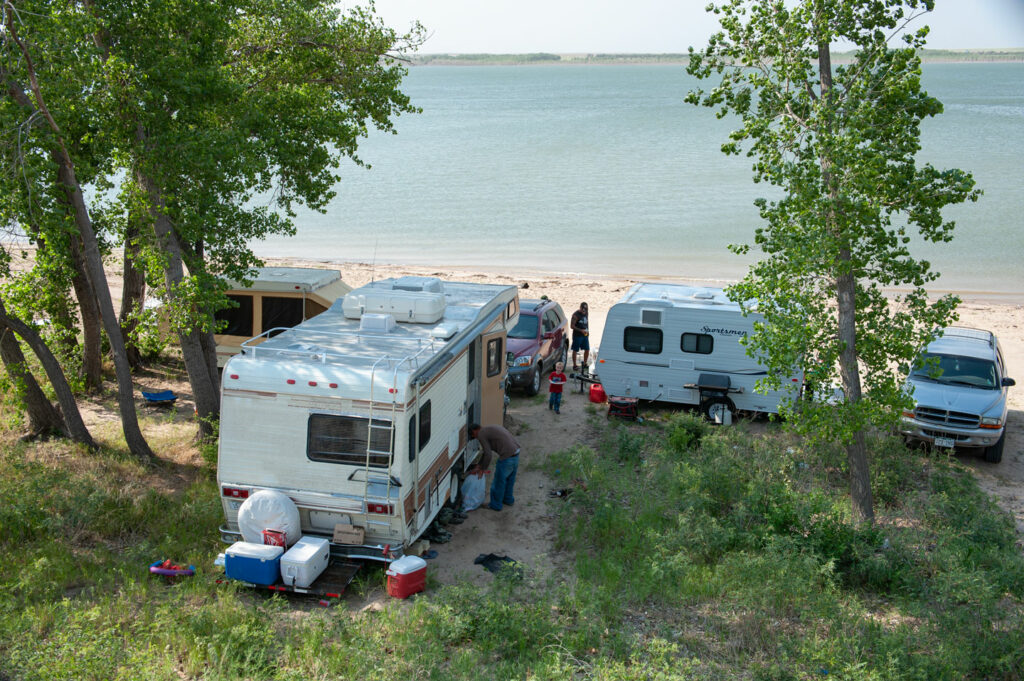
pixel 555 382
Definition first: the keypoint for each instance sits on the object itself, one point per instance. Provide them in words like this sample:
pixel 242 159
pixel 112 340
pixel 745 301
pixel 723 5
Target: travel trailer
pixel 676 343
pixel 280 297
pixel 361 414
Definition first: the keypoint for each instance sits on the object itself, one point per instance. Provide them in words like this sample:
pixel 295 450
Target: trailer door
pixel 492 376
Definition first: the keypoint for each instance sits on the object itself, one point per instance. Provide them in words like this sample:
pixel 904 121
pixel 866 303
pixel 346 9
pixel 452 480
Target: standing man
pixel 496 441
pixel 580 324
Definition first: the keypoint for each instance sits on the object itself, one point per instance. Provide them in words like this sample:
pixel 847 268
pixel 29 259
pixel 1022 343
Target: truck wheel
pixel 718 410
pixel 533 387
pixel 994 454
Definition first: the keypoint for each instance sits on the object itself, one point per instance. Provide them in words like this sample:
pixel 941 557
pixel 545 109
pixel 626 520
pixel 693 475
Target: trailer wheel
pixel 718 410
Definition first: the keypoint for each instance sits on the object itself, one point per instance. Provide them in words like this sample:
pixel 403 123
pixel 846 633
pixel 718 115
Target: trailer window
pixel 343 439
pixel 237 320
pixel 424 422
pixel 494 357
pixel 700 343
pixel 640 339
pixel 278 312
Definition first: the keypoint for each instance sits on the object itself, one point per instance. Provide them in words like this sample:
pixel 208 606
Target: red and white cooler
pixel 406 576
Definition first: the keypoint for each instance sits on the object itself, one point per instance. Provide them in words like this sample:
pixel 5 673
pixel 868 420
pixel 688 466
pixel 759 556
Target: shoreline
pixel 1010 298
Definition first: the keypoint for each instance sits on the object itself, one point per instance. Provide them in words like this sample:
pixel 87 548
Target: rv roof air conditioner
pixel 377 323
pixel 420 306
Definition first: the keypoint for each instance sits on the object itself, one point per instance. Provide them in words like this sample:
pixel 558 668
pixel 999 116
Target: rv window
pixel 424 431
pixel 342 439
pixel 700 343
pixel 652 317
pixel 640 339
pixel 424 425
pixel 511 311
pixel 286 312
pixel 239 319
pixel 494 357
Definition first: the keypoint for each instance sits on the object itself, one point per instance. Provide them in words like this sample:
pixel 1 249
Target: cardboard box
pixel 348 534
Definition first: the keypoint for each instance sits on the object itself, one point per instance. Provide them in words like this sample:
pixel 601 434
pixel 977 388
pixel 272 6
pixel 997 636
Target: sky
pixel 659 26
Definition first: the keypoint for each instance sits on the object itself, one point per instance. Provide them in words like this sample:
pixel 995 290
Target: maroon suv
pixel 538 341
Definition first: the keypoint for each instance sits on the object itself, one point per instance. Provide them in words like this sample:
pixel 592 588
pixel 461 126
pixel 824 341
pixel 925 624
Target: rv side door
pixel 492 376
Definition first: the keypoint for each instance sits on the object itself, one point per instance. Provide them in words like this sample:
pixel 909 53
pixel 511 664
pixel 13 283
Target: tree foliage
pixel 841 146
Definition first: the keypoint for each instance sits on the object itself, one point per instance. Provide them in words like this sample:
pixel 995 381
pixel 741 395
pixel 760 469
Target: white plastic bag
pixel 474 488
pixel 269 510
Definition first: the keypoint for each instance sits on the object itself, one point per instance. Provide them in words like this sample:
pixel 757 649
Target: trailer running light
pixel 235 376
pixel 235 492
pixel 290 381
pixel 380 509
pixel 334 385
pixel 392 390
pixel 313 383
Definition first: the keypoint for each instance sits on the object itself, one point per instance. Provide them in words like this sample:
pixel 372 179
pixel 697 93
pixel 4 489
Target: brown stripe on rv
pixel 441 464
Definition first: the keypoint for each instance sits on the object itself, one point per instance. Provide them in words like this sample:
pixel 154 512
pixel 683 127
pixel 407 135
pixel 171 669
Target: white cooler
pixel 305 561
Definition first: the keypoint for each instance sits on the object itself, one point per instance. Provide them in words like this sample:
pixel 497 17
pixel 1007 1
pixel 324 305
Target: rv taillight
pixel 381 509
pixel 290 381
pixel 235 492
pixel 313 383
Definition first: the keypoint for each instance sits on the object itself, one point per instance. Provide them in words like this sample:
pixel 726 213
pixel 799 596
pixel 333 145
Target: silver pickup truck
pixel 959 387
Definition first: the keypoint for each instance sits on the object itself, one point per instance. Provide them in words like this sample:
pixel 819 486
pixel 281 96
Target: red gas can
pixel 406 576
pixel 597 393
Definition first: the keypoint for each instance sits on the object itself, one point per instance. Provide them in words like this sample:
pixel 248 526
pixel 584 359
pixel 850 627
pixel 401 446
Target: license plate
pixel 945 442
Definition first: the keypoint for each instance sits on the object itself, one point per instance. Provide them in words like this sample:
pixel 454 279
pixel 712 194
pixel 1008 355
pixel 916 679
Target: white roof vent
pixel 703 294
pixel 428 284
pixel 373 322
pixel 444 331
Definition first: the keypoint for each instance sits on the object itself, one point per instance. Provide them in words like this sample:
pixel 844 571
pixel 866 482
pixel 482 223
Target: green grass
pixel 694 552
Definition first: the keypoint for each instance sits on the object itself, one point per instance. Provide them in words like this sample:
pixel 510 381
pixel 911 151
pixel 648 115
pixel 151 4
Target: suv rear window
pixel 525 328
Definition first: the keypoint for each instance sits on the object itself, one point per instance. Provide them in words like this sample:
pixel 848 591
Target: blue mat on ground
pixel 163 397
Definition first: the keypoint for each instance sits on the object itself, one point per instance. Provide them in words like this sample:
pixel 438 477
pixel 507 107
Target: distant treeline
pixel 1009 55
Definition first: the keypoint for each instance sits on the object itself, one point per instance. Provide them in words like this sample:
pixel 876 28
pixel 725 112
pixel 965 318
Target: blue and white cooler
pixel 255 563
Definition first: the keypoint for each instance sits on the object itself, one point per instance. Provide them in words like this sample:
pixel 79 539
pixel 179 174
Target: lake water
pixel 606 170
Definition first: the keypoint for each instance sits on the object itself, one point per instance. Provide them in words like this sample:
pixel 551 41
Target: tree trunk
pixel 856 451
pixel 73 424
pixel 846 299
pixel 202 376
pixel 43 418
pixel 133 295
pixel 92 346
pixel 68 181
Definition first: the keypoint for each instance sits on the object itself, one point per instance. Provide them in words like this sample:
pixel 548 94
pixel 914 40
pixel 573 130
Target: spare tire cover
pixel 269 510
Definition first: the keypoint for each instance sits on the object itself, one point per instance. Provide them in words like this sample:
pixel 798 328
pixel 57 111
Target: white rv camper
pixel 279 297
pixel 676 343
pixel 360 415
